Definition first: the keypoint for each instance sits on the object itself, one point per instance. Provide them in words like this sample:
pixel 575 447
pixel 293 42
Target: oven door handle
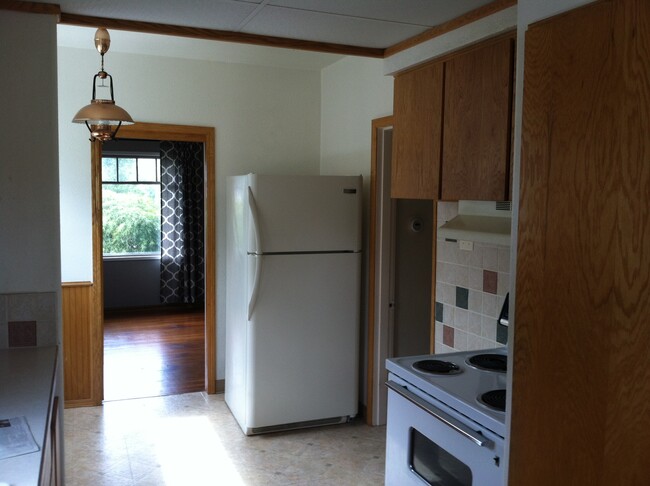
pixel 443 417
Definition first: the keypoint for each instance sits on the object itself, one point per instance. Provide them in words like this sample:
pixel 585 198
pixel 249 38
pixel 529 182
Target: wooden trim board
pixel 377 124
pixel 31 7
pixel 453 24
pixel 97 344
pixel 220 35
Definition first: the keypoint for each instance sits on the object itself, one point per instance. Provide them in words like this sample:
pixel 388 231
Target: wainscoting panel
pixel 79 345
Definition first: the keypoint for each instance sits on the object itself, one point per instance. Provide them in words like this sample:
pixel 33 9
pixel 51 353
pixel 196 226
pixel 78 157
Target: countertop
pixel 27 376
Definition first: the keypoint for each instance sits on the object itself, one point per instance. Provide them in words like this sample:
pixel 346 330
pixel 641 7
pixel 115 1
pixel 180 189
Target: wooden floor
pixel 153 354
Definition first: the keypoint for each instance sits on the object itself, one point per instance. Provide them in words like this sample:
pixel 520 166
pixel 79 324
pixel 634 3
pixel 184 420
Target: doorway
pixel 154 268
pixel 400 273
pixel 186 321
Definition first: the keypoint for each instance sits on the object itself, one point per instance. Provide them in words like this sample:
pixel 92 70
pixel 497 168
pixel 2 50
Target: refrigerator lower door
pixel 303 340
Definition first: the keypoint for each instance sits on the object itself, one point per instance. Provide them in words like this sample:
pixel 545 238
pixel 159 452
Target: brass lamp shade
pixel 103 119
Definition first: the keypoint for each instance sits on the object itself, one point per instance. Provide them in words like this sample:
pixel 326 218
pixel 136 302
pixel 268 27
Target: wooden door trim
pixel 178 133
pixel 97 336
pixel 377 123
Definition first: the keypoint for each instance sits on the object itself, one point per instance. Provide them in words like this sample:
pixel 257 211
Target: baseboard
pixel 157 309
pixel 80 403
pixel 220 386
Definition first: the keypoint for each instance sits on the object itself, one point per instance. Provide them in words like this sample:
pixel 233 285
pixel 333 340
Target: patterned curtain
pixel 181 243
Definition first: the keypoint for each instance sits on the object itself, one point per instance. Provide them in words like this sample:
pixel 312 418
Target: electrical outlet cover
pixel 466 245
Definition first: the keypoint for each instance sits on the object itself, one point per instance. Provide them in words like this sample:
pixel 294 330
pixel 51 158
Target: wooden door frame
pixel 177 133
pixel 377 124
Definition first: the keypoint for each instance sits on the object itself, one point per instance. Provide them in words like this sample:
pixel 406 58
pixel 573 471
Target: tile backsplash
pixel 28 319
pixel 471 286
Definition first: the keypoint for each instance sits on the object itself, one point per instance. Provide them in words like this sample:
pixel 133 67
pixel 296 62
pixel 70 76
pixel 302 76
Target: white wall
pixel 354 92
pixel 30 271
pixel 29 192
pixel 267 120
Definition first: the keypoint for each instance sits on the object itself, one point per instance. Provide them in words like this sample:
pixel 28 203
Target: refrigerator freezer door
pixel 303 339
pixel 304 213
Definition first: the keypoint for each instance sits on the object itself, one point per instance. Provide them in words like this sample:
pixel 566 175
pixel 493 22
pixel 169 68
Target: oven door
pixel 433 444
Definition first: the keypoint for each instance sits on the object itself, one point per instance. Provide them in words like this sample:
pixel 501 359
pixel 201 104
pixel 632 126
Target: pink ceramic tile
pixel 490 281
pixel 448 336
pixel 22 333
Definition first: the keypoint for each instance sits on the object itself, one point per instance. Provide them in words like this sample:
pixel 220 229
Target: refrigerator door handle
pixel 255 217
pixel 256 285
pixel 257 255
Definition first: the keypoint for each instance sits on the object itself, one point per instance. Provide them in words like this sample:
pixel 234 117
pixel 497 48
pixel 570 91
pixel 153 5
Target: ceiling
pixel 363 23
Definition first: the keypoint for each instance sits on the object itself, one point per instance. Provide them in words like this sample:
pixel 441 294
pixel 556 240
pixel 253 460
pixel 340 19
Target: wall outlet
pixel 466 245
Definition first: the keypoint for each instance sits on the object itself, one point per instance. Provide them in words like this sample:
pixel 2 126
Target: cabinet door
pixel 583 258
pixel 477 119
pixel 415 168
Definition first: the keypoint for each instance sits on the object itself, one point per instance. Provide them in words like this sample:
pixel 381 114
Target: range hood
pixel 480 221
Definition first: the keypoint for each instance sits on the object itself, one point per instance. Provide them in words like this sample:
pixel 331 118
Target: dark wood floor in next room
pixel 153 353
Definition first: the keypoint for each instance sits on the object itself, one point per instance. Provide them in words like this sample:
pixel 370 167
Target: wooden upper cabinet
pixel 415 167
pixel 476 141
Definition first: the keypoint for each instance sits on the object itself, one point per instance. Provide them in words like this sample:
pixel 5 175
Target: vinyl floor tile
pixel 192 439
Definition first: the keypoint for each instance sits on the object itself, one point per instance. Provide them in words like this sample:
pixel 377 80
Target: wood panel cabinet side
pixel 417 133
pixel 628 380
pixel 583 263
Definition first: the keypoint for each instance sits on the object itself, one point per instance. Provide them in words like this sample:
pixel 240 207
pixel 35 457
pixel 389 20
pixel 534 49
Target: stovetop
pixel 462 388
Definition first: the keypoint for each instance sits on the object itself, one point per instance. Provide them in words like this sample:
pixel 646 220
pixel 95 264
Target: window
pixel 131 205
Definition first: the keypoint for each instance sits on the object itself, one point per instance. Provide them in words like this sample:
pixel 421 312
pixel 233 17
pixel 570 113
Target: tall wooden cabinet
pixel 581 377
pixel 452 131
pixel 477 120
pixel 415 167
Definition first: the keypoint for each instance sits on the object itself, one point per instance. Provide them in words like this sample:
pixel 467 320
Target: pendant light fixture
pixel 102 116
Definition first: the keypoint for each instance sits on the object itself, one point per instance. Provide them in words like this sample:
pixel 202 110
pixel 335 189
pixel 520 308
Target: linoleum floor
pixel 192 439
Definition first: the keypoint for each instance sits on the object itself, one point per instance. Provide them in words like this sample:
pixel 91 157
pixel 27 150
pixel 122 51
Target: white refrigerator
pixel 292 300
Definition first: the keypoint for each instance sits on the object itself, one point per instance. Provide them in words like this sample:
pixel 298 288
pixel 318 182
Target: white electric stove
pixel 446 419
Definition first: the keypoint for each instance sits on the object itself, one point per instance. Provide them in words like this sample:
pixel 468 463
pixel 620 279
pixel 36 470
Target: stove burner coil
pixel 494 399
pixel 489 362
pixel 437 367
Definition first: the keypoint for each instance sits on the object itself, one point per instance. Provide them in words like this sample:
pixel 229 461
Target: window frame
pixel 130 155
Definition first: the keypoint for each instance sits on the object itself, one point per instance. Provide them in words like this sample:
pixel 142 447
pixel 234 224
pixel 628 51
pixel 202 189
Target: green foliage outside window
pixel 131 215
